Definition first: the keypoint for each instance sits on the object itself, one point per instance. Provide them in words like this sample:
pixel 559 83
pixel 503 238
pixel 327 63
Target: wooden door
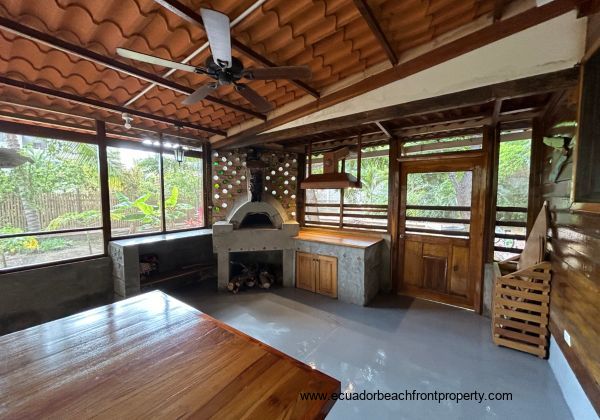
pixel 327 276
pixel 305 271
pixel 440 240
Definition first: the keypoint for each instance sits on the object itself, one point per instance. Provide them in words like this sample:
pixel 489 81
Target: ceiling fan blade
pixel 216 25
pixel 257 101
pixel 199 94
pixel 134 55
pixel 283 72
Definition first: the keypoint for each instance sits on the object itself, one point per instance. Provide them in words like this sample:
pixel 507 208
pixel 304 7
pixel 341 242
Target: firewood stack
pixel 252 276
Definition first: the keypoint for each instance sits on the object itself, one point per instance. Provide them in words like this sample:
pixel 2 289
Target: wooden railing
pixel 353 216
pixel 516 248
pixel 433 219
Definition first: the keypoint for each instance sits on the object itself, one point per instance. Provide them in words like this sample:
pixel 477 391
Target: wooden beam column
pixel 104 188
pixel 207 183
pixel 491 149
pixel 535 199
pixel 393 208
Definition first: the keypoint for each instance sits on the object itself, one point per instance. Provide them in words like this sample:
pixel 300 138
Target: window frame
pixel 67 136
pixel 97 136
pixel 579 203
pixel 161 151
pixel 343 207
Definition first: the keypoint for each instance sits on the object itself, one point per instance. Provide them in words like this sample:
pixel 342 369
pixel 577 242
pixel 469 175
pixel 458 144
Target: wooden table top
pixel 349 239
pixel 151 356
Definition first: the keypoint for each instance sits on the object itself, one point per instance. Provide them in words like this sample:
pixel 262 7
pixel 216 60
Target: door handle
pixel 401 236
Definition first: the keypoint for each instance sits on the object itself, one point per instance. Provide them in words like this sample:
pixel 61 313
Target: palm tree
pixel 32 218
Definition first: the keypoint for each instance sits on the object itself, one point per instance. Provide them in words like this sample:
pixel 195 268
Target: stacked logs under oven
pixel 251 276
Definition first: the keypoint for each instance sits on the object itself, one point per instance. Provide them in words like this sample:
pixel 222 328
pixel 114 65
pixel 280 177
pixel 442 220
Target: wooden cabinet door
pixel 327 276
pixel 305 271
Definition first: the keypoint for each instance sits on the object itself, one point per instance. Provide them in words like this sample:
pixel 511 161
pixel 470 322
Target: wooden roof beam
pixel 468 116
pixel 527 86
pixel 78 51
pixel 371 20
pixel 499 6
pixel 384 129
pixel 191 16
pixel 112 121
pixel 437 55
pixel 103 105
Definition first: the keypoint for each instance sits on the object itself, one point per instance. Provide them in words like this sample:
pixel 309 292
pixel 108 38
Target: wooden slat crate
pixel 521 309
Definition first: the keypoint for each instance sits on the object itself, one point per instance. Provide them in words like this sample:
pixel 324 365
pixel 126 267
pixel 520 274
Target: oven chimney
pixel 255 167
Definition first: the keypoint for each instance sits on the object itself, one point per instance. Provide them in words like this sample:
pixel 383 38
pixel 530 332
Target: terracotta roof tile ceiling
pixel 331 37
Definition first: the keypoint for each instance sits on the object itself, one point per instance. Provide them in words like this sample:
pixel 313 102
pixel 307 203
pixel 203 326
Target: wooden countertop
pixel 151 356
pixel 331 237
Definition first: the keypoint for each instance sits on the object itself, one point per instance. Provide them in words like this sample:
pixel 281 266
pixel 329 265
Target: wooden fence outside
pixel 49 206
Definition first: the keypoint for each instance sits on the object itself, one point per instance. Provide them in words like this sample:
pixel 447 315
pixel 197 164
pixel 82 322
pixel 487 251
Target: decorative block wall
pixel 230 180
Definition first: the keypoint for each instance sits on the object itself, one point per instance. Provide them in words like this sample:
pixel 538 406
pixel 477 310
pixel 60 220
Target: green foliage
pixel 139 210
pixel 16 245
pixel 89 218
pixel 58 167
pixel 54 244
pixel 513 173
pixel 374 178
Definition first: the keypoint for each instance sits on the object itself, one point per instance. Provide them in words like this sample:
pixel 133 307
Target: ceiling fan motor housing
pixel 225 76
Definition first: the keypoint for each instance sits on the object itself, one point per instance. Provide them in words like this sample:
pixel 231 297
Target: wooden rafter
pixel 131 134
pixel 384 128
pixel 94 57
pixel 191 16
pixel 516 88
pixel 369 17
pixel 103 105
pixel 438 55
pixel 499 6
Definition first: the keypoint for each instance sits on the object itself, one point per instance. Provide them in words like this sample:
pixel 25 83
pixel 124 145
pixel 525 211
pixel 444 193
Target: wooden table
pixel 151 356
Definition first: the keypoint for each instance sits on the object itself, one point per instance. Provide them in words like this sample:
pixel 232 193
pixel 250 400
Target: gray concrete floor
pixel 395 344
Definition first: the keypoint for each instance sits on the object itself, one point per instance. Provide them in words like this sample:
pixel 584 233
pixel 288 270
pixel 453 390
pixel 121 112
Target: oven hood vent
pixel 330 180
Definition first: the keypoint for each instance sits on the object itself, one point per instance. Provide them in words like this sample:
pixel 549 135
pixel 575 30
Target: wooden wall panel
pixel 413 273
pixel 435 271
pixel 574 248
pixel 459 271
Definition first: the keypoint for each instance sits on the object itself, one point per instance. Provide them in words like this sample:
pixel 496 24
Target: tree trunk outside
pixel 32 218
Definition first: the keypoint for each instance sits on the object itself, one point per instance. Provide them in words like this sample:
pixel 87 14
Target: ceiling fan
pixel 221 66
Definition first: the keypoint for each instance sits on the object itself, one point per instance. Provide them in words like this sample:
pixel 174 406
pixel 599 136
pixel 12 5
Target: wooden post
pixel 104 188
pixel 393 206
pixel 358 158
pixel 491 149
pixel 341 225
pixel 207 183
pixel 161 169
pixel 535 199
pixel 309 153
